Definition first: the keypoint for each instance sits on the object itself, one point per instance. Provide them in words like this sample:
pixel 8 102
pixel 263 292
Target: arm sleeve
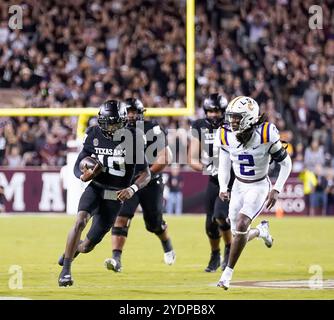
pixel 285 169
pixel 224 170
pixel 232 178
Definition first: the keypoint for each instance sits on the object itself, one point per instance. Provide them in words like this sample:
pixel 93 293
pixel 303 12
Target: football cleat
pixel 170 257
pixel 113 264
pixel 223 283
pixel 65 280
pixel 263 228
pixel 61 260
pixel 62 257
pixel 226 256
pixel 214 263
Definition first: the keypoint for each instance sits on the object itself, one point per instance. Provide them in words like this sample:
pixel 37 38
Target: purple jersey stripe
pixel 262 133
pixel 268 131
pixel 225 135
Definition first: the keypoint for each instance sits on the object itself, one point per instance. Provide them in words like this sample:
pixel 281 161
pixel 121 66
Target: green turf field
pixel 35 243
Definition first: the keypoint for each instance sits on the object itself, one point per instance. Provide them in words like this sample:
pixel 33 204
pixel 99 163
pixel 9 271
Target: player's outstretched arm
pixel 194 154
pixel 224 173
pixel 143 178
pixel 284 160
pixel 164 158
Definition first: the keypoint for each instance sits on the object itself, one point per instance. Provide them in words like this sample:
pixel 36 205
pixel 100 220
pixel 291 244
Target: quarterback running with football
pixel 110 180
pixel 248 143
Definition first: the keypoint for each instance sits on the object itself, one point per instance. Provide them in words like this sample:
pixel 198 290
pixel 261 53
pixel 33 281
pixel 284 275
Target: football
pixel 88 163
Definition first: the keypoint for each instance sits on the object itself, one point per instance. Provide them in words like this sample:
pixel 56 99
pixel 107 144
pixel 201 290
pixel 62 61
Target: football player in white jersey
pixel 248 144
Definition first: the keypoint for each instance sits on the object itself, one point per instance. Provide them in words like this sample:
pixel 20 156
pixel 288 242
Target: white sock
pixel 261 233
pixel 228 272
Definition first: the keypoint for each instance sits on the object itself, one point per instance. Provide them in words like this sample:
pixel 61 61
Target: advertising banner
pixel 35 190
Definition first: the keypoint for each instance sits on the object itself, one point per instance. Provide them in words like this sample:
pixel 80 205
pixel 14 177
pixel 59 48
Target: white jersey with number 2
pixel 252 161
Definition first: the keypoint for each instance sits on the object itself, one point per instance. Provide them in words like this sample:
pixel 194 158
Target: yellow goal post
pixel 85 113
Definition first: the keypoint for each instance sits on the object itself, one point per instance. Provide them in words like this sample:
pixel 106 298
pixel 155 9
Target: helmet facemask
pixel 135 105
pixel 239 121
pixel 215 120
pixel 139 116
pixel 110 125
pixel 215 103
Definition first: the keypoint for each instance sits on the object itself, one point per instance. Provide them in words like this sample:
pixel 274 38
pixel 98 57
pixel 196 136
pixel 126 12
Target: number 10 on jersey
pixel 115 165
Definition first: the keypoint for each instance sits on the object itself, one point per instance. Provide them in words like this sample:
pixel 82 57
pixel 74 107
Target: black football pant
pixel 104 212
pixel 151 200
pixel 215 209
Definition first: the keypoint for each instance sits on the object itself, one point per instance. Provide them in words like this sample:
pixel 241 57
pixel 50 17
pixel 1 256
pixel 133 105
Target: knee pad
pixel 156 229
pixel 223 224
pixel 120 231
pixel 212 229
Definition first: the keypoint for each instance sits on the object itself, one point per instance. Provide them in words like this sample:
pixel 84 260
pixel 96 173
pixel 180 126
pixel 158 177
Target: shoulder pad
pixel 224 136
pixel 268 133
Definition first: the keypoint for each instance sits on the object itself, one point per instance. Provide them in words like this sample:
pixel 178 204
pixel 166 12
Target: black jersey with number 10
pixel 121 156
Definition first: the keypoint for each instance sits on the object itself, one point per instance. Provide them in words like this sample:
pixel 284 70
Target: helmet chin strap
pixel 106 134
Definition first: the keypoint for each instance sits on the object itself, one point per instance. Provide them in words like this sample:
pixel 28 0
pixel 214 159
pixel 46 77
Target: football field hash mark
pixel 283 284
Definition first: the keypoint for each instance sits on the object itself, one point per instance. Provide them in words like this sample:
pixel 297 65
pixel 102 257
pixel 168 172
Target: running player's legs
pixel 102 222
pixel 123 220
pixel 236 203
pixel 151 201
pixel 255 200
pixel 221 217
pixel 120 232
pixel 89 201
pixel 211 227
pixel 253 196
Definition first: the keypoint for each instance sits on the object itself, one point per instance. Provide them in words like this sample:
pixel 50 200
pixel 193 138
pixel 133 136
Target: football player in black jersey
pixel 202 158
pixel 116 148
pixel 150 198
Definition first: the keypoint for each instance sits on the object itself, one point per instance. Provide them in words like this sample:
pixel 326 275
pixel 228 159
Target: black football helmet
pixel 112 116
pixel 135 105
pixel 215 102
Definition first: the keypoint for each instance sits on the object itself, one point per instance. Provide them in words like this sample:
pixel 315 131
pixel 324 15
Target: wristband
pixel 134 187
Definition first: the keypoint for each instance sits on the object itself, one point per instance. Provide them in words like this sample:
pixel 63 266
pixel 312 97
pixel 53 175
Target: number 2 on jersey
pixel 244 167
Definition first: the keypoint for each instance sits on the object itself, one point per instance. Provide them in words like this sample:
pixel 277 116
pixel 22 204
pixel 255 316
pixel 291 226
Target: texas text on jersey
pixel 119 158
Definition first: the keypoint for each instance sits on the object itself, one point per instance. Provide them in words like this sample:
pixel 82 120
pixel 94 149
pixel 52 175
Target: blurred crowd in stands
pixel 79 53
